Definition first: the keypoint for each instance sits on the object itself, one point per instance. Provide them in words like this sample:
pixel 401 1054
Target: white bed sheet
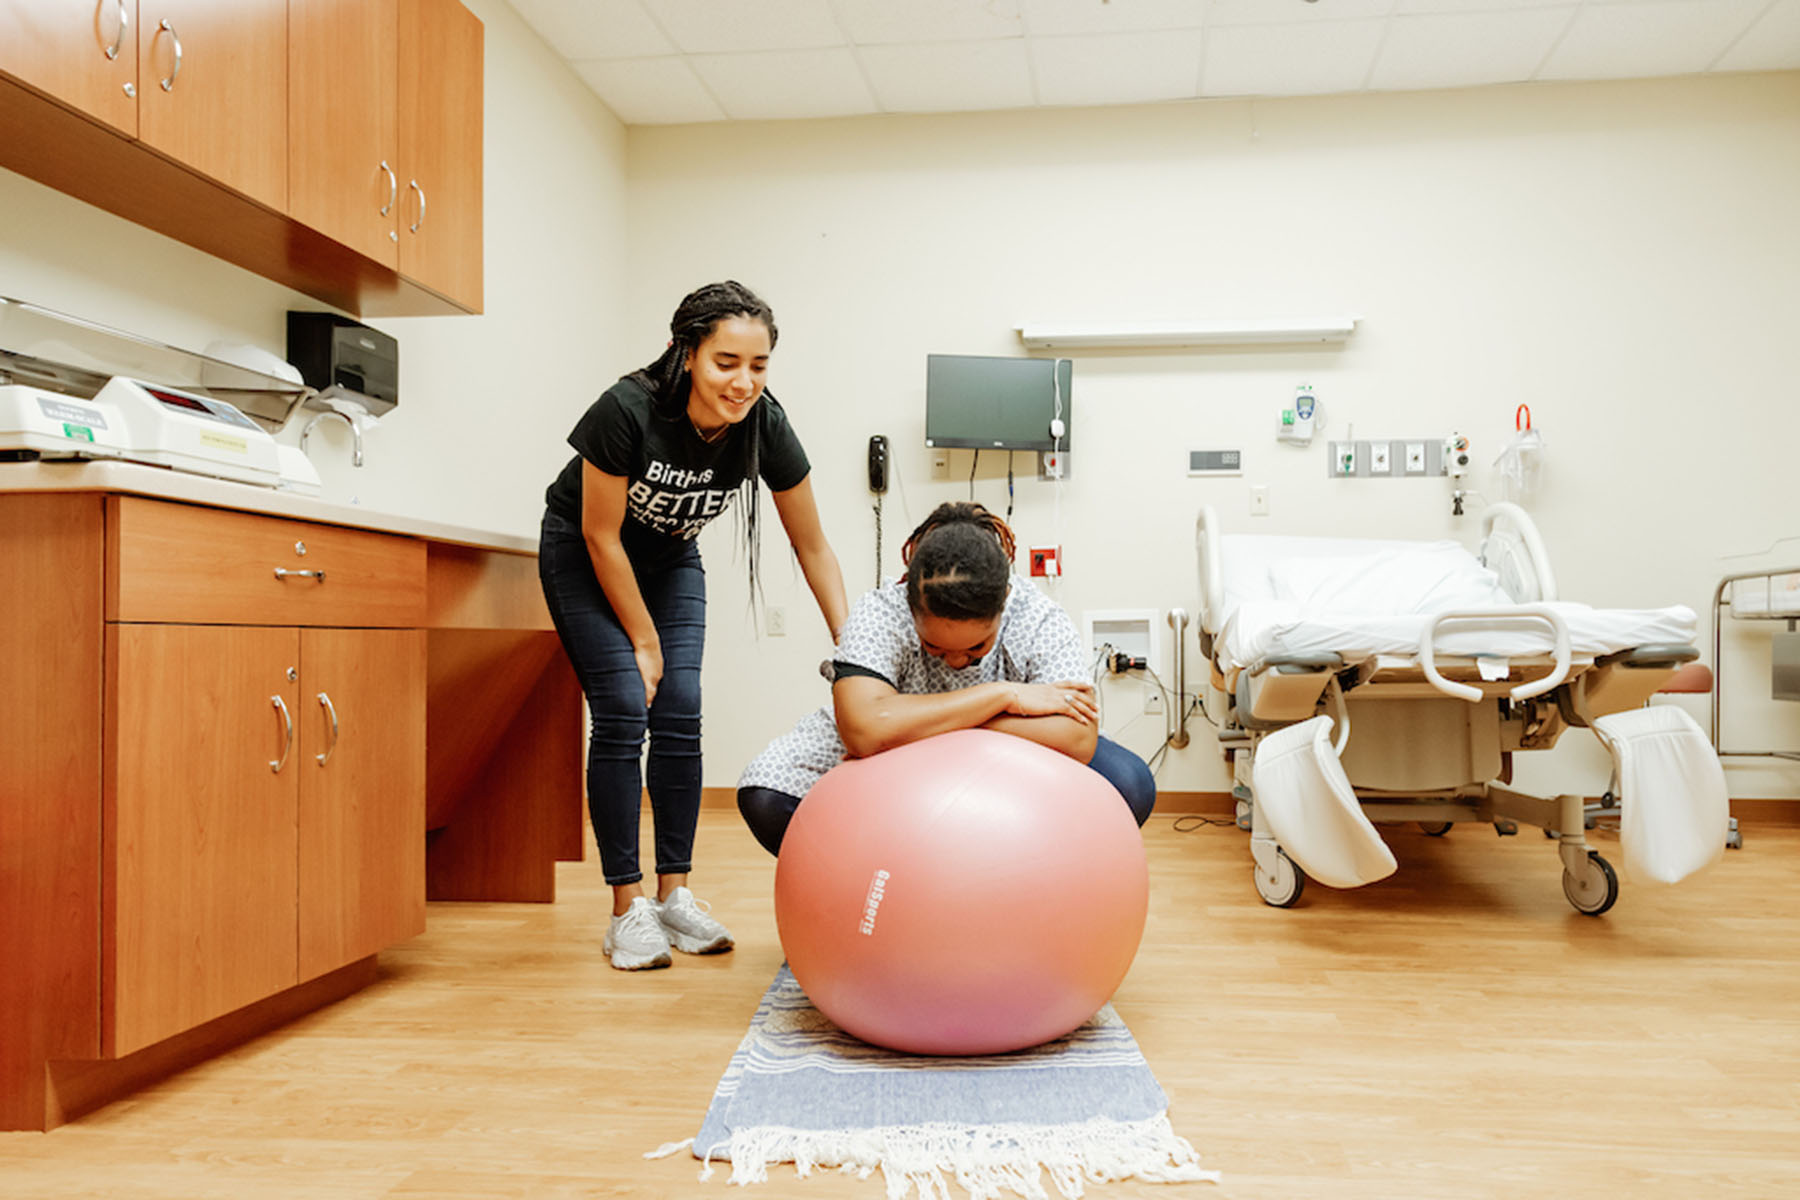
pixel 1359 598
pixel 1258 630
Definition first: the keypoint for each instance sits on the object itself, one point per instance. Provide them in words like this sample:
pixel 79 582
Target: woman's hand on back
pixel 1069 698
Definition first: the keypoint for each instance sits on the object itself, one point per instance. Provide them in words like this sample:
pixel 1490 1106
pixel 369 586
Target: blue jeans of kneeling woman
pixel 767 811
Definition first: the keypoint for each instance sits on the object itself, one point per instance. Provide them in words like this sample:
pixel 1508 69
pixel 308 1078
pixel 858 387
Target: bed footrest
pixel 1674 813
pixel 1301 790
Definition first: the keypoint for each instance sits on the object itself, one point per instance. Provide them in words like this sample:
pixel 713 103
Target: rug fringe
pixel 986 1161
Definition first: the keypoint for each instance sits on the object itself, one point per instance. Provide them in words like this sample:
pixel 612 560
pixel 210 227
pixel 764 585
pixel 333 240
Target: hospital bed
pixel 1363 681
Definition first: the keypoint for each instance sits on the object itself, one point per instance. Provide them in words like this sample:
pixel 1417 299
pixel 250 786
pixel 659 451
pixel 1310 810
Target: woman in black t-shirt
pixel 659 454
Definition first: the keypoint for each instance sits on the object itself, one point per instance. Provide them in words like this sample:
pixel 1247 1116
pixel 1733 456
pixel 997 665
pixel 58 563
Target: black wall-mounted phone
pixel 878 464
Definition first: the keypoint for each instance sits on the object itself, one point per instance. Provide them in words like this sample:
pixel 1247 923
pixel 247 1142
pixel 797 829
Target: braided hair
pixel 667 380
pixel 958 563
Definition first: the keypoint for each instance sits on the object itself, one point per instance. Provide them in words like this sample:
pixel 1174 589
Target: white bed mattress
pixel 1360 598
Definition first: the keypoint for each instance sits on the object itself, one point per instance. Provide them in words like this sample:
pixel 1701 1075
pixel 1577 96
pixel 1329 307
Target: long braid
pixel 959 563
pixel 668 383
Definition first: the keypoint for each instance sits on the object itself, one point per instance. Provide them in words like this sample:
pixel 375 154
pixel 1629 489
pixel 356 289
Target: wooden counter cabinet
pixel 264 800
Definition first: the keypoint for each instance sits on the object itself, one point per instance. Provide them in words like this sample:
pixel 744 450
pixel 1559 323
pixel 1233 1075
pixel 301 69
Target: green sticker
pixel 80 433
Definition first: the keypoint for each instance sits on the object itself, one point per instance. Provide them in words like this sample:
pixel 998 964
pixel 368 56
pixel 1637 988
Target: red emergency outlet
pixel 1046 560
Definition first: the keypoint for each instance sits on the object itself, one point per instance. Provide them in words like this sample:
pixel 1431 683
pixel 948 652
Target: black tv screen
pixel 980 403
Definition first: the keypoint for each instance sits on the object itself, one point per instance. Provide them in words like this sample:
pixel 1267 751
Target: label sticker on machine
pixel 219 441
pixel 79 415
pixel 79 433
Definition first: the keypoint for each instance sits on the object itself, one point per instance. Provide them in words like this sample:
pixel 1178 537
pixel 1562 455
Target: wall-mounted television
pixel 981 403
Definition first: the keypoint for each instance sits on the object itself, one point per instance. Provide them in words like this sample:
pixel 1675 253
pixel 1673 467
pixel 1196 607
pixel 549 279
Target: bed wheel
pixel 1594 890
pixel 1283 889
pixel 1436 828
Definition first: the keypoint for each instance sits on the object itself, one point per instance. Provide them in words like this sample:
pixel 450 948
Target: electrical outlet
pixel 1046 561
pixel 1415 458
pixel 1379 462
pixel 1152 700
pixel 775 621
pixel 1259 499
pixel 940 464
pixel 1053 464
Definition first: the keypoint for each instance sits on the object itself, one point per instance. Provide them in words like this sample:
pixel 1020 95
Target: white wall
pixel 486 401
pixel 1624 257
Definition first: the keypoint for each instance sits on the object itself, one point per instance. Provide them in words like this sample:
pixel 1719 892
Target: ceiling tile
pixel 779 85
pixel 1466 49
pixel 1445 6
pixel 950 77
pixel 1668 37
pixel 878 22
pixel 1287 12
pixel 1119 68
pixel 735 26
pixel 650 91
pixel 1772 44
pixel 1290 60
pixel 1049 18
pixel 596 28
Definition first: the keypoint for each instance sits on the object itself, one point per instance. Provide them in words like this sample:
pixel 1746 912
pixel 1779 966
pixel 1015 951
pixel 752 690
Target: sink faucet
pixel 356 455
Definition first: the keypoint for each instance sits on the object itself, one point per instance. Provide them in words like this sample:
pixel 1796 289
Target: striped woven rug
pixel 1084 1108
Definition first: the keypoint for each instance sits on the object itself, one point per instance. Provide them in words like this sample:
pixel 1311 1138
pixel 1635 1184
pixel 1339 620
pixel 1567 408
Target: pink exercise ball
pixel 971 893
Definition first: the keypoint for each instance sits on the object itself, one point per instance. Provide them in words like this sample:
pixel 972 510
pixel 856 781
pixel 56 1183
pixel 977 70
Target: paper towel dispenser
pixel 345 357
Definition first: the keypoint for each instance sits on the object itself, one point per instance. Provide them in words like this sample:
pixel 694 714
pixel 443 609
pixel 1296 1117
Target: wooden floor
pixel 1455 1031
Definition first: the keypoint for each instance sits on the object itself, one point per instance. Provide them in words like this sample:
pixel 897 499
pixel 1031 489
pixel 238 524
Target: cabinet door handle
pixel 393 188
pixel 413 185
pixel 287 721
pixel 112 51
pixel 285 573
pixel 168 84
pixel 325 703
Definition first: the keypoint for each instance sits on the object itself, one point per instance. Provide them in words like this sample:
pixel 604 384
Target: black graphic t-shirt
pixel 676 482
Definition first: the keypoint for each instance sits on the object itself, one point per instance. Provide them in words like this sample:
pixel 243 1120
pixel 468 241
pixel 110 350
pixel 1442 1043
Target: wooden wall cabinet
pixel 84 55
pixel 334 146
pixel 212 90
pixel 385 137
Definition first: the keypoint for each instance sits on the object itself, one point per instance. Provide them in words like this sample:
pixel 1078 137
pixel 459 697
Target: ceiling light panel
pixel 950 77
pixel 1467 49
pixel 782 85
pixel 711 27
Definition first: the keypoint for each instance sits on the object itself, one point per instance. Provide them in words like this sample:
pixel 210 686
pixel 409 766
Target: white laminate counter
pixel 138 479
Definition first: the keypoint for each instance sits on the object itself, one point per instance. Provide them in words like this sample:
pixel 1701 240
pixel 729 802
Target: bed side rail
pixel 1212 578
pixel 1506 518
pixel 1491 617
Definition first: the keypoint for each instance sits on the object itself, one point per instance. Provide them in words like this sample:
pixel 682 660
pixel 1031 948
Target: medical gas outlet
pixel 1397 458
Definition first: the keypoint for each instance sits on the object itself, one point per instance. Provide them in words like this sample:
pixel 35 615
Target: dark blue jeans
pixel 767 811
pixel 600 650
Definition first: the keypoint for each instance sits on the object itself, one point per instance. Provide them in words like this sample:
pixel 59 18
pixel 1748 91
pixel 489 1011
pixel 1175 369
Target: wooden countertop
pixel 138 479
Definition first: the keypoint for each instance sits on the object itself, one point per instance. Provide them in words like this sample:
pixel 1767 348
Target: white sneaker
pixel 689 928
pixel 635 940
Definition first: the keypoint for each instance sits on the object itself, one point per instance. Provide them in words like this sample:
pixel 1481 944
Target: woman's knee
pixel 767 813
pixel 1130 776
